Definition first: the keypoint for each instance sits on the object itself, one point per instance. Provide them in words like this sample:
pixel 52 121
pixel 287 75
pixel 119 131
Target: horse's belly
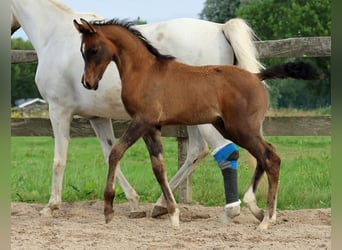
pixel 189 117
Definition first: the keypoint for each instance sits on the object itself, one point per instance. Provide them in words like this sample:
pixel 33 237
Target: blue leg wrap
pixel 227 156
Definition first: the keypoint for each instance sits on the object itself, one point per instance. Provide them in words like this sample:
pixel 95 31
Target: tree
pixel 279 19
pixel 219 10
pixel 275 19
pixel 22 81
pixel 140 21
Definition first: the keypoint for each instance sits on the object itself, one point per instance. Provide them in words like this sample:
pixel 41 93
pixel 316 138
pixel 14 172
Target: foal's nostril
pixel 86 85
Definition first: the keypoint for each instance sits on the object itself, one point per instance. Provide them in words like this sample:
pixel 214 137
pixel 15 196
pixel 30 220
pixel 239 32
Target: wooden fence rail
pixel 273 125
pixel 291 47
pixel 295 47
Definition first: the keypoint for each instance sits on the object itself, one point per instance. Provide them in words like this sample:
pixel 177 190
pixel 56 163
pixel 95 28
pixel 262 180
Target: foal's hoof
pixel 137 214
pixel 109 217
pixel 159 211
pixel 263 225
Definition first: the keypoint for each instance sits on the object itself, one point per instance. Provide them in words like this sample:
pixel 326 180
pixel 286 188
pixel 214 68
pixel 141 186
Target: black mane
pixel 128 25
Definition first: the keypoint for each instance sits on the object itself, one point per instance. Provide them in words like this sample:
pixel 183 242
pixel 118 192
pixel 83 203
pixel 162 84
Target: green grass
pixel 299 112
pixel 305 180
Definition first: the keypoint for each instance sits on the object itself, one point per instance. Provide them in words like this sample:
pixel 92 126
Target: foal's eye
pixel 94 51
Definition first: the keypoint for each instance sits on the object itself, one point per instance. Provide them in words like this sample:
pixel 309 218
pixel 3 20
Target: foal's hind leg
pixel 272 171
pixel 197 149
pixel 251 139
pixel 269 162
pixel 250 196
pixel 154 146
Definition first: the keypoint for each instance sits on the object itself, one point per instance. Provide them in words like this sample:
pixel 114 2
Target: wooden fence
pixel 273 125
pixel 291 47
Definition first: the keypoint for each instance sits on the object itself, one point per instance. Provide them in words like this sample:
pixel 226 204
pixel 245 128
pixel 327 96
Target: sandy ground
pixel 81 226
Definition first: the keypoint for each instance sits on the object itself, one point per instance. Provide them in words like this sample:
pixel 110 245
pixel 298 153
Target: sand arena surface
pixel 80 225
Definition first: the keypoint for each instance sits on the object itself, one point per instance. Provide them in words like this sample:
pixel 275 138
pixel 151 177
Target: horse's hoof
pixel 175 218
pixel 159 211
pixel 256 211
pixel 230 213
pixel 109 217
pixel 46 212
pixel 263 225
pixel 260 215
pixel 137 214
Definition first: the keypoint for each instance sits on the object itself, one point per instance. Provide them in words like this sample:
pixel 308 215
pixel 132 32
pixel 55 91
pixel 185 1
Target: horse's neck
pixel 42 20
pixel 39 19
pixel 134 56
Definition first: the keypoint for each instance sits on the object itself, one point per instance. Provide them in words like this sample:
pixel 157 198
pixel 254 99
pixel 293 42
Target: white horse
pixel 60 68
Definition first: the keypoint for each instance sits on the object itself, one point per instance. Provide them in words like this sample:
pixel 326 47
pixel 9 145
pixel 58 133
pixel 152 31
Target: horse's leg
pixel 104 132
pixel 250 196
pixel 197 149
pixel 226 154
pixel 250 138
pixel 155 148
pixel 60 120
pixel 134 131
pixel 268 161
pixel 272 170
pixel 199 136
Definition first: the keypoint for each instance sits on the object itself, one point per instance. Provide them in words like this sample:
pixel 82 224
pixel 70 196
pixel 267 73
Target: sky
pixel 150 10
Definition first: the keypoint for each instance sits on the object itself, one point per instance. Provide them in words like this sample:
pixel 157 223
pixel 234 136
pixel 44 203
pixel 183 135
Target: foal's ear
pixel 84 27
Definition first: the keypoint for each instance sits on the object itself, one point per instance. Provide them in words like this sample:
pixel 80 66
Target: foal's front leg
pixel 104 132
pixel 155 148
pixel 134 131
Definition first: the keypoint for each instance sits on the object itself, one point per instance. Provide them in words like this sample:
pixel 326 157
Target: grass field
pixel 305 180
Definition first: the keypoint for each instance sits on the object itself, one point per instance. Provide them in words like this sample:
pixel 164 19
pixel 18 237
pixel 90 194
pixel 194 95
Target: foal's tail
pixel 297 70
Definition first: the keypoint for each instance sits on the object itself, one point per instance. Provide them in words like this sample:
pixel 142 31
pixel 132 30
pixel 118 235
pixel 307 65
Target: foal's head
pixel 95 49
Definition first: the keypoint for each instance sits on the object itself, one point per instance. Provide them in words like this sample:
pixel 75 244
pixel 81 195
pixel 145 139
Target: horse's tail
pixel 242 37
pixel 297 70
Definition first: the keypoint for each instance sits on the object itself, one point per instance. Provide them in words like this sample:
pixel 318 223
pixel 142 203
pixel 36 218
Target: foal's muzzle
pixel 87 84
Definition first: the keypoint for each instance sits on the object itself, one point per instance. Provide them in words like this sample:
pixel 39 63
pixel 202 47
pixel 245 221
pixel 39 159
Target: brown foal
pixel 157 91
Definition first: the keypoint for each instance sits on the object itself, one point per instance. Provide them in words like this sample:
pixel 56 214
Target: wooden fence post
pixel 185 188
